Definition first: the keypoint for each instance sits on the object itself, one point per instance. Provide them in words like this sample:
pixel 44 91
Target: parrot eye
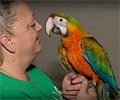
pixel 60 21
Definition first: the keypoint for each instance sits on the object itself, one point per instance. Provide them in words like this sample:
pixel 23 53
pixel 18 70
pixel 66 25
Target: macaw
pixel 81 52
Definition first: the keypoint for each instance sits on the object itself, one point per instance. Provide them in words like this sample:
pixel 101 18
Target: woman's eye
pixel 33 25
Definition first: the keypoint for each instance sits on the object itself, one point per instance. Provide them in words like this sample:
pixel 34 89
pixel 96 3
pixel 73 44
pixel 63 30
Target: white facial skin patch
pixel 61 23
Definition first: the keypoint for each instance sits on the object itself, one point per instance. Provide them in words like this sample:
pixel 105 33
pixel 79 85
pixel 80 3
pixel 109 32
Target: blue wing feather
pixel 98 66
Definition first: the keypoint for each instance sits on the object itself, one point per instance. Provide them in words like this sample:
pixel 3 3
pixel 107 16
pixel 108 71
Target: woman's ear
pixel 7 42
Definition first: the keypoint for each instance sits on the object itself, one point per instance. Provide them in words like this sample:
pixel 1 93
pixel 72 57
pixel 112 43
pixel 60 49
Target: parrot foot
pixel 92 85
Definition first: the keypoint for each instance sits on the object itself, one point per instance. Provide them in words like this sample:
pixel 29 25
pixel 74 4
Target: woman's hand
pixel 85 93
pixel 75 87
pixel 71 85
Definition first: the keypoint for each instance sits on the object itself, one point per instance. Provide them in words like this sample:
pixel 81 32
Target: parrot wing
pixel 63 57
pixel 98 58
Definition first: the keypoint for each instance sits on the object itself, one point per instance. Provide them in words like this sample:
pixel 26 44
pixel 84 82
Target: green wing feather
pixel 99 60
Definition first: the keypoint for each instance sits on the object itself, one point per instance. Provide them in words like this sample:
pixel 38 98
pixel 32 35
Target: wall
pixel 99 18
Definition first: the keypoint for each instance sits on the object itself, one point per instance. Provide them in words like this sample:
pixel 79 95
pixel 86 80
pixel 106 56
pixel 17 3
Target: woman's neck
pixel 15 71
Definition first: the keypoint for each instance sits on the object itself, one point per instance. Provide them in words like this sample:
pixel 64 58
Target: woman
pixel 19 45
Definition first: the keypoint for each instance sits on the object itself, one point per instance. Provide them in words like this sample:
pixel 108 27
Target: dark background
pixel 99 17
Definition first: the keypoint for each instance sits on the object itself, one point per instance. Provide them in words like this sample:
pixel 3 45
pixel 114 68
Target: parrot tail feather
pixel 118 94
pixel 105 93
pixel 102 91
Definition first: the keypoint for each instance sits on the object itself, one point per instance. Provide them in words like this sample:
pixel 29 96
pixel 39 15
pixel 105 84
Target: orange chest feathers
pixel 75 57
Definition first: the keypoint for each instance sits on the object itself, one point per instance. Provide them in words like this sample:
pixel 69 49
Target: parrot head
pixel 61 23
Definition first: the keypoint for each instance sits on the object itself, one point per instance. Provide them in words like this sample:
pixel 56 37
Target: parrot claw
pixel 92 85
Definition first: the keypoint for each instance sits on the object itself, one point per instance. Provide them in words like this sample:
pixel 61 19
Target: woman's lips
pixel 37 37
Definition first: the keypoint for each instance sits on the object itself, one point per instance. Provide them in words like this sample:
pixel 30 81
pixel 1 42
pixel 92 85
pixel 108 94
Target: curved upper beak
pixel 49 25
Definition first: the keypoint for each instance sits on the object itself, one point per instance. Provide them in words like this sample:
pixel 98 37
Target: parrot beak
pixel 49 25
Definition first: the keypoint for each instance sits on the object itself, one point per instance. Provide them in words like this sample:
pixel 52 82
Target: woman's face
pixel 27 40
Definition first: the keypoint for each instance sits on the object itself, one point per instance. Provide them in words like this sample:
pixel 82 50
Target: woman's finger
pixel 91 91
pixel 84 85
pixel 70 93
pixel 69 97
pixel 75 87
pixel 72 75
pixel 78 80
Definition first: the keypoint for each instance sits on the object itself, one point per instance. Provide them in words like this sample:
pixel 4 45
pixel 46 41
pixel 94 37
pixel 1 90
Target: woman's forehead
pixel 24 11
pixel 24 8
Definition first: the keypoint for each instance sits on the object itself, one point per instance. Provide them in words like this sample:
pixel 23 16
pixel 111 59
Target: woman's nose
pixel 38 26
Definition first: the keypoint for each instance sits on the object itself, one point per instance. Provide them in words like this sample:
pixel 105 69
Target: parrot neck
pixel 73 40
pixel 70 44
pixel 84 33
pixel 73 29
pixel 75 34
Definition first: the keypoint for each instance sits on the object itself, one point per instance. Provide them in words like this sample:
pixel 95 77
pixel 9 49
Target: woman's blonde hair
pixel 7 18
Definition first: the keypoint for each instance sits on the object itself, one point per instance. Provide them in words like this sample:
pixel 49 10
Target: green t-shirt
pixel 39 87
